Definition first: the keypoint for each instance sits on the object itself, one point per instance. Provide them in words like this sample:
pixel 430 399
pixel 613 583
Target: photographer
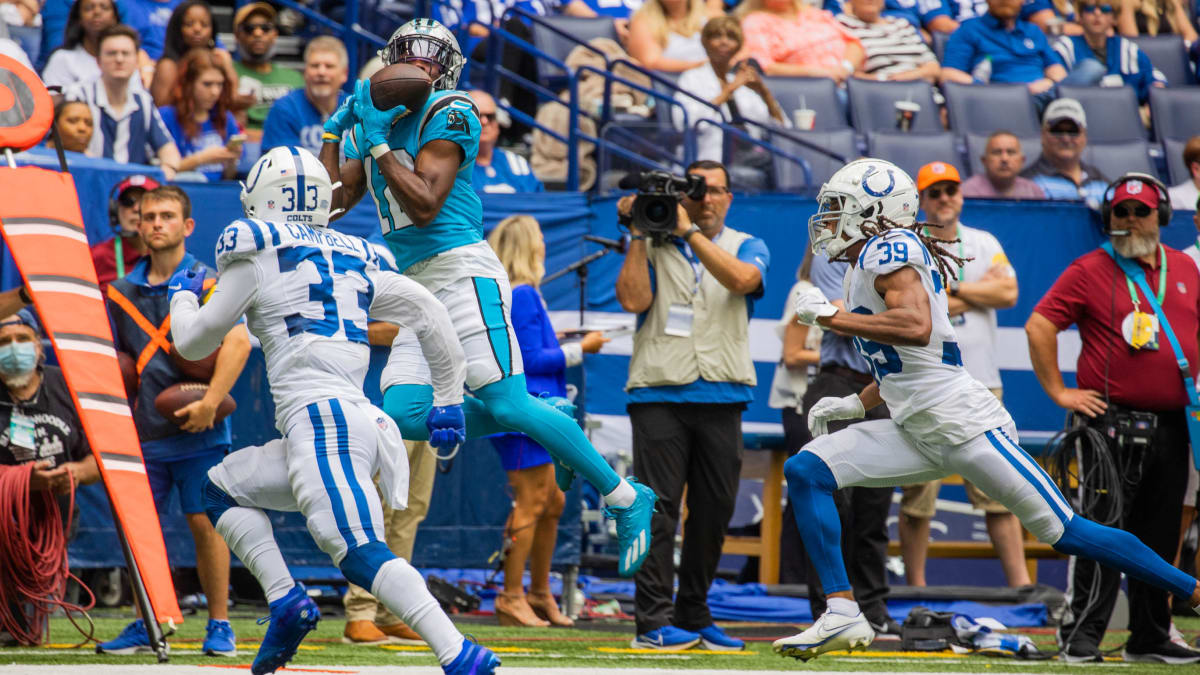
pixel 1127 376
pixel 693 288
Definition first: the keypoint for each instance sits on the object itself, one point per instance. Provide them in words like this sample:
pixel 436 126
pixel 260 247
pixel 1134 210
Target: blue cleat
pixel 133 640
pixel 667 639
pixel 715 639
pixel 473 660
pixel 633 528
pixel 219 640
pixel 292 617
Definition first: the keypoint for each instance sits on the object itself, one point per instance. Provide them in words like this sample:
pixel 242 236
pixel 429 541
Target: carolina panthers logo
pixel 456 121
pixel 878 193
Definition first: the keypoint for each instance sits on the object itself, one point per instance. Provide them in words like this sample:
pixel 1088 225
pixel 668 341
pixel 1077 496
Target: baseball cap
pixel 1064 109
pixel 246 10
pixel 139 181
pixel 23 317
pixel 1138 191
pixel 936 172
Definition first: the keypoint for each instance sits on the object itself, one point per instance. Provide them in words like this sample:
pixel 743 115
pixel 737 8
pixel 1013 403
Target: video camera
pixel 658 193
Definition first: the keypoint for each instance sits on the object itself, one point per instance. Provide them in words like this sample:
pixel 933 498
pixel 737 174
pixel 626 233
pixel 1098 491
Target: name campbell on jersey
pixel 929 392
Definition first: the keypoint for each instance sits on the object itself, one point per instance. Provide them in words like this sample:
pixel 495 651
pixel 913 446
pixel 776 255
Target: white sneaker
pixel 831 632
pixel 1177 637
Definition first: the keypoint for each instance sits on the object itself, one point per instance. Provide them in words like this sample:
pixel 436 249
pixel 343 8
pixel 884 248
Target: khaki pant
pixel 400 530
pixel 920 500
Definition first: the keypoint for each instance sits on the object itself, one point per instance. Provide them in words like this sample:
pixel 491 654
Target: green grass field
pixel 604 646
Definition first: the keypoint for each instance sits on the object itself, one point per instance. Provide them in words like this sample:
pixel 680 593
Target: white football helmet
pixel 860 191
pixel 288 185
pixel 426 40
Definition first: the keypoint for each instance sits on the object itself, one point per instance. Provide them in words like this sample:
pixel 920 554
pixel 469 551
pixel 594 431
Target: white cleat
pixel 830 633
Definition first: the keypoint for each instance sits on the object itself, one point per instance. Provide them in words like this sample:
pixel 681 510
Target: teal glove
pixel 342 119
pixel 376 123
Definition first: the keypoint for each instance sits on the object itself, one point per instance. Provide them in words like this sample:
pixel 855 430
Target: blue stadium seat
pixel 984 108
pixel 1112 113
pixel 912 151
pixel 1031 146
pixel 1177 171
pixel 1169 56
pixel 1114 159
pixel 30 40
pixel 789 176
pixel 939 44
pixel 872 105
pixel 583 29
pixel 1174 112
pixel 818 93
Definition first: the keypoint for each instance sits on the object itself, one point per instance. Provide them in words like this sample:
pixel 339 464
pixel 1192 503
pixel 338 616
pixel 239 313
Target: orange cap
pixel 936 172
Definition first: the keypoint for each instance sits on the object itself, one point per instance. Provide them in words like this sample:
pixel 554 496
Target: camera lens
pixel 658 210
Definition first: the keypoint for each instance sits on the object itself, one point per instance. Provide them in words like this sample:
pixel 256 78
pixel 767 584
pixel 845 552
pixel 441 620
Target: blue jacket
pixel 545 364
pixel 1122 56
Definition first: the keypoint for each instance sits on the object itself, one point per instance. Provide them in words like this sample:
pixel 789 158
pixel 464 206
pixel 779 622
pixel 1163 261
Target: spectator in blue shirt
pixel 150 18
pixel 1101 57
pixel 297 118
pixel 1015 51
pixel 1060 170
pixel 200 119
pixel 1038 12
pixel 690 378
pixel 497 169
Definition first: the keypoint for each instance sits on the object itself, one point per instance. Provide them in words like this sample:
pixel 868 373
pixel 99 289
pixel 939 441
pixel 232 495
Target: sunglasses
pixel 936 192
pixel 251 28
pixel 1089 9
pixel 485 118
pixel 1140 210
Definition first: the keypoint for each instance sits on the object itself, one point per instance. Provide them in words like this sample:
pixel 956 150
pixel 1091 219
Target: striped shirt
pixel 132 135
pixel 892 45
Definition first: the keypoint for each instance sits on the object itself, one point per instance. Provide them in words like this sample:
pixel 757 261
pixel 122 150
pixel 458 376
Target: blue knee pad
pixel 805 467
pixel 408 405
pixel 810 488
pixel 361 564
pixel 1124 552
pixel 507 400
pixel 216 500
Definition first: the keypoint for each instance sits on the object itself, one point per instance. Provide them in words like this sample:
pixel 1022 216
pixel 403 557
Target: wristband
pixel 380 150
pixel 688 235
pixel 638 237
pixel 330 138
pixel 24 296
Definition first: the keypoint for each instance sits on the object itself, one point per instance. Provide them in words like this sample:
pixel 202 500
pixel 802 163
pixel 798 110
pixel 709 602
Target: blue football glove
pixel 342 119
pixel 191 281
pixel 447 427
pixel 376 123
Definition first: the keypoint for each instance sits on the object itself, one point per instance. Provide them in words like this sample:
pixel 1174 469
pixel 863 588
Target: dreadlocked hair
pixel 947 263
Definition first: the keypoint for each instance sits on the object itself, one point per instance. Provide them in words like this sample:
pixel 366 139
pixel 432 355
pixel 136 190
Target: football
pixel 201 370
pixel 176 396
pixel 129 375
pixel 400 84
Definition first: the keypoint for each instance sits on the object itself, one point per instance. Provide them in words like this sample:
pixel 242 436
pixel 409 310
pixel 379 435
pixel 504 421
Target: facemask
pixel 17 358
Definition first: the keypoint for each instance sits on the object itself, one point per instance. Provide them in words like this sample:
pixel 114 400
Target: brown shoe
pixel 513 610
pixel 363 633
pixel 401 634
pixel 545 607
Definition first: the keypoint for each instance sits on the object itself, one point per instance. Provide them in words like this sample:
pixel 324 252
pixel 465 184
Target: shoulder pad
pixel 448 102
pixel 893 249
pixel 244 238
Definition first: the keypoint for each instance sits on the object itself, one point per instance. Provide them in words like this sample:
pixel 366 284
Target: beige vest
pixel 719 347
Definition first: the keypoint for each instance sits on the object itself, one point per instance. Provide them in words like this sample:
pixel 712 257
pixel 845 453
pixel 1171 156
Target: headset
pixel 1164 201
pixel 137 180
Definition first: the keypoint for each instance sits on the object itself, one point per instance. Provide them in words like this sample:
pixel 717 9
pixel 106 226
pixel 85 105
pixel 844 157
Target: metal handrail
pixel 525 14
pixel 739 133
pixel 689 146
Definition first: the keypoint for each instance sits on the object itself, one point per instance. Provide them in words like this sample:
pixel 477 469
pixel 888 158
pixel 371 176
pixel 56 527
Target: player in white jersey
pixel 943 420
pixel 306 293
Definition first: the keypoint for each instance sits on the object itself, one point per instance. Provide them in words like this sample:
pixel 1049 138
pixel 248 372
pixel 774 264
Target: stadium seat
pixel 872 105
pixel 1112 113
pixel 582 29
pixel 1176 169
pixel 790 177
pixel 912 151
pixel 939 43
pixel 1114 159
pixel 1031 146
pixel 1169 56
pixel 818 93
pixel 984 108
pixel 1174 113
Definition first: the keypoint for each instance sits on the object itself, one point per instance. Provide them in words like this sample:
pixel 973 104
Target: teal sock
pixel 409 405
pixel 513 407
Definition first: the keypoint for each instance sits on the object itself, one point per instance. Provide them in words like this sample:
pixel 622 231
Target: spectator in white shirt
pixel 738 90
pixel 75 61
pixel 894 49
pixel 1184 195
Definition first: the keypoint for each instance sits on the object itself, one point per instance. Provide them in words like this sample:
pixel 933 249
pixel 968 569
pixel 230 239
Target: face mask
pixel 17 358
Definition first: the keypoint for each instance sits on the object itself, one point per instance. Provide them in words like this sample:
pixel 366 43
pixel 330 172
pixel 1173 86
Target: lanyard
pixel 961 254
pixel 119 253
pixel 697 268
pixel 1162 280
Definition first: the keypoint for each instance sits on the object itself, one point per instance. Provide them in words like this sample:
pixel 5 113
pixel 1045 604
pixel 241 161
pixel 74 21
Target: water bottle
pixel 983 70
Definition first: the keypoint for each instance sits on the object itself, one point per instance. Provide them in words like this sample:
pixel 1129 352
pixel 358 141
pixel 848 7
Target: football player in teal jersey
pixel 417 166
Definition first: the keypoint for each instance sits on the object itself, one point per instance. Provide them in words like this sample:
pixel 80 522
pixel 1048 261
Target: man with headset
pixel 117 255
pixel 1130 388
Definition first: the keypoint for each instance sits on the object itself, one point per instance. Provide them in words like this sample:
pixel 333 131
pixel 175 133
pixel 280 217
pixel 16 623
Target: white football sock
pixel 843 606
pixel 249 535
pixel 400 588
pixel 623 495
